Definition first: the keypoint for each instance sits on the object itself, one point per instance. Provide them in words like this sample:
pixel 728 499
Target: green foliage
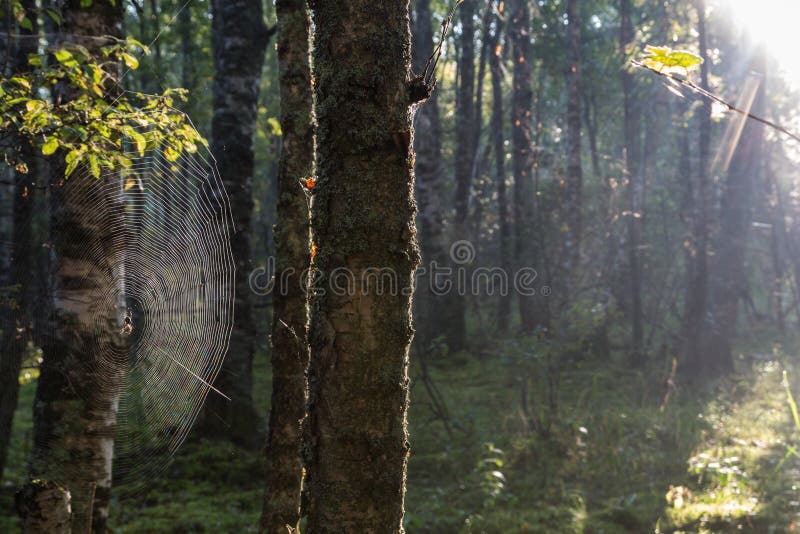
pixel 97 124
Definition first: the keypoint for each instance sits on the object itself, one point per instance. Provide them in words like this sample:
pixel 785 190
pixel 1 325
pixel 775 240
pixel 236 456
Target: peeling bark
pixel 77 395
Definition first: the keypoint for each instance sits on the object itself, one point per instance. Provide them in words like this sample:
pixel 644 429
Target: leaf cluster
pixel 97 125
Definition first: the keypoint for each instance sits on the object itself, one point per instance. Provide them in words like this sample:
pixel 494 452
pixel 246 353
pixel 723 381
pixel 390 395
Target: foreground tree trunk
pixel 15 321
pixel 239 41
pixel 429 307
pixel 290 310
pixel 364 253
pixel 77 395
pixel 44 507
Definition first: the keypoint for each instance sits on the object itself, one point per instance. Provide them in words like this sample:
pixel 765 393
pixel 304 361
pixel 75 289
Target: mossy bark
pixel 77 394
pixel 44 507
pixel 290 353
pixel 239 41
pixel 363 216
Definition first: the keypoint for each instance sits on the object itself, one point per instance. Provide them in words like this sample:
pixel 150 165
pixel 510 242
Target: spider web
pixel 165 246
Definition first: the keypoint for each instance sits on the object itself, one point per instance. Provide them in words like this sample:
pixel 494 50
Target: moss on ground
pixel 714 459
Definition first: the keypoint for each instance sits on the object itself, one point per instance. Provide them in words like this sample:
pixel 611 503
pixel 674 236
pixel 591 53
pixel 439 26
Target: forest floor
pixel 504 441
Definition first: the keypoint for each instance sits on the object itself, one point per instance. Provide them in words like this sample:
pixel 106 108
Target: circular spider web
pixel 164 245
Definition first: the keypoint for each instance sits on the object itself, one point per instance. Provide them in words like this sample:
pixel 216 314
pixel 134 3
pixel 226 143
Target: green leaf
pixel 130 60
pixel 54 15
pixel 665 59
pixel 94 166
pixel 63 55
pixel 26 24
pixel 72 159
pixel 50 146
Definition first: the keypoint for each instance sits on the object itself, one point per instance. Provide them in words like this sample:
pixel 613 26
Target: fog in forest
pixel 458 266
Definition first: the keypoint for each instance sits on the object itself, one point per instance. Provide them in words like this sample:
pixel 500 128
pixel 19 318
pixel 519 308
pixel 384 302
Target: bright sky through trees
pixel 773 23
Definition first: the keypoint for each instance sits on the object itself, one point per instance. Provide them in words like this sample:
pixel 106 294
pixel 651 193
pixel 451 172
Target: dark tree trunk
pixel 44 507
pixel 522 156
pixel 239 39
pixel 729 280
pixel 77 394
pixel 574 182
pixel 363 226
pixel 290 310
pixel 633 172
pixel 15 321
pixel 498 144
pixel 454 321
pixel 429 306
pixel 696 302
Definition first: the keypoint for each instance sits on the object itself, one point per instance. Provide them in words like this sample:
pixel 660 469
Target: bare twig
pixel 711 96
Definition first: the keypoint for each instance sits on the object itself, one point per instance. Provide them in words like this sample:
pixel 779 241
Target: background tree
pixel 239 40
pixel 290 306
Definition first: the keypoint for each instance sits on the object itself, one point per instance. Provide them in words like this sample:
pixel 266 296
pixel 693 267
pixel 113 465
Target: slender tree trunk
pixel 522 156
pixel 696 301
pixel 77 394
pixel 363 236
pixel 290 310
pixel 430 306
pixel 15 321
pixel 498 143
pixel 729 260
pixel 454 321
pixel 239 42
pixel 574 182
pixel 632 168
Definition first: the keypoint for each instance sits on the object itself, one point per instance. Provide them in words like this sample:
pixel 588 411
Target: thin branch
pixel 711 96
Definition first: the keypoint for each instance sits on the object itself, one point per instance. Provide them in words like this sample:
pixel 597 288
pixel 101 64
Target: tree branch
pixel 711 96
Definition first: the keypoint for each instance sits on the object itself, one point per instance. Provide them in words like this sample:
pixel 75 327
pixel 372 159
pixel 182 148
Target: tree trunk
pixel 430 306
pixel 44 507
pixel 736 209
pixel 696 302
pixel 498 143
pixel 632 168
pixel 363 234
pixel 78 391
pixel 239 41
pixel 522 155
pixel 290 310
pixel 454 321
pixel 15 321
pixel 574 182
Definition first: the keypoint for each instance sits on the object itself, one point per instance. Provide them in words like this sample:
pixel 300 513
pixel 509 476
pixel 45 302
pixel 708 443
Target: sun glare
pixel 772 23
